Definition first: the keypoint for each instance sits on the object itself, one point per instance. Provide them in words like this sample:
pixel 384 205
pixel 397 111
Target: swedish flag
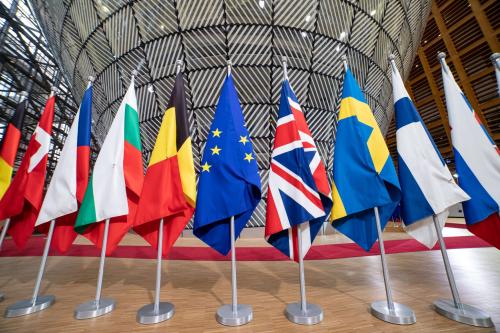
pixel 229 183
pixel 364 176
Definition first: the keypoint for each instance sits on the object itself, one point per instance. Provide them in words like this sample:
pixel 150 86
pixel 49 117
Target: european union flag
pixel 364 176
pixel 229 183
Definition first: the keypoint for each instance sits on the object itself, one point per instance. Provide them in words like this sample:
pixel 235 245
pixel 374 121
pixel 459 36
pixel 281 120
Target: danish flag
pixel 299 191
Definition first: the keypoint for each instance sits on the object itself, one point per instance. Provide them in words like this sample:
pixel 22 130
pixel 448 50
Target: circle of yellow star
pixel 248 157
pixel 206 167
pixel 243 139
pixel 216 133
pixel 215 150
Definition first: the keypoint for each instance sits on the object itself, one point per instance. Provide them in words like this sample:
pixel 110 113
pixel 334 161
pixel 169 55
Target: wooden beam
pixel 484 24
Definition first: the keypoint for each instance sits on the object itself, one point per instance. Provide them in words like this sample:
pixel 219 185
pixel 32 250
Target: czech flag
pixel 69 181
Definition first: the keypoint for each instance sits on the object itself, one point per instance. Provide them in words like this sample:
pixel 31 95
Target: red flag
pixel 23 199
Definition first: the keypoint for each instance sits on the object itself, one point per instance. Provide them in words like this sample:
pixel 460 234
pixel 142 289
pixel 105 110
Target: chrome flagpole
pixel 36 303
pixel 158 311
pixel 456 310
pixel 234 314
pixel 99 306
pixel 303 313
pixel 388 310
pixel 4 231
pixel 495 59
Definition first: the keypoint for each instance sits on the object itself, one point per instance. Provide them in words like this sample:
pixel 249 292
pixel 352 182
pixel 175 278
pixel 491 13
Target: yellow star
pixel 243 139
pixel 248 157
pixel 216 133
pixel 206 167
pixel 215 150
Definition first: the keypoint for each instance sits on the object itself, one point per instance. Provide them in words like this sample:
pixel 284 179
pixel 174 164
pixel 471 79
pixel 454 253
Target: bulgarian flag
pixel 23 199
pixel 169 191
pixel 9 145
pixel 69 181
pixel 116 183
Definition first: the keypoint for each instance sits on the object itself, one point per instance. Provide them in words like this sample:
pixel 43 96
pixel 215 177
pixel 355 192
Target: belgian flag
pixel 9 145
pixel 169 190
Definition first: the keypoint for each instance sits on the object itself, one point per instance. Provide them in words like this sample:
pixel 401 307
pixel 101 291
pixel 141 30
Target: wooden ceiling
pixel 469 33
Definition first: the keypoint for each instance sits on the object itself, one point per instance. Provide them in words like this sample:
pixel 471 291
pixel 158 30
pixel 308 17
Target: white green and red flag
pixel 116 183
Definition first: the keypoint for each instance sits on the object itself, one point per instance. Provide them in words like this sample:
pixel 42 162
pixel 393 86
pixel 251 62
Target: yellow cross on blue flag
pixel 229 183
pixel 364 176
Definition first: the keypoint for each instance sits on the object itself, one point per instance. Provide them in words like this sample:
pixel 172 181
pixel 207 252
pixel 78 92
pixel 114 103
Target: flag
pixel 427 186
pixel 229 183
pixel 116 183
pixel 477 160
pixel 169 190
pixel 298 194
pixel 364 176
pixel 69 180
pixel 23 199
pixel 9 145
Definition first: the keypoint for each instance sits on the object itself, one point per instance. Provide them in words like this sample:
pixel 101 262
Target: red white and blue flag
pixel 69 181
pixel 299 192
pixel 477 160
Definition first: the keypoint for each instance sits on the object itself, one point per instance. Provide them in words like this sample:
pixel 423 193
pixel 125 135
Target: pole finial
pixel 442 60
pixel 284 61
pixel 178 66
pixel 91 78
pixel 23 93
pixel 495 58
pixel 441 55
pixel 344 61
pixel 229 65
pixel 54 90
pixel 391 57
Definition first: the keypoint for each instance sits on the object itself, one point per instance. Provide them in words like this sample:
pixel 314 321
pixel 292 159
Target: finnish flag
pixel 427 185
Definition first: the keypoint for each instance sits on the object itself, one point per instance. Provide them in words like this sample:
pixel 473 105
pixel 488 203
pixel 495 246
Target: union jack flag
pixel 299 192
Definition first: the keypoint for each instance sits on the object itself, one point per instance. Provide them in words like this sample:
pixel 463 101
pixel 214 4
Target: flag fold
pixel 229 183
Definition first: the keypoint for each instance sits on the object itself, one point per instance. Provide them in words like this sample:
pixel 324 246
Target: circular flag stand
pixel 303 313
pixel 389 311
pixel 156 312
pixel 99 306
pixel 36 303
pixel 454 309
pixel 234 314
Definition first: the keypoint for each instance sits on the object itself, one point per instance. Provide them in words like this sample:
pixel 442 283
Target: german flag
pixel 169 190
pixel 9 145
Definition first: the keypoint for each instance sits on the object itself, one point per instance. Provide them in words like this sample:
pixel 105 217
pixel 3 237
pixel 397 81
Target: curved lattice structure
pixel 108 38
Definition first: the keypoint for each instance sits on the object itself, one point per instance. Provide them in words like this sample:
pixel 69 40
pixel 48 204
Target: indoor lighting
pixel 373 12
pixel 262 3
pixel 308 18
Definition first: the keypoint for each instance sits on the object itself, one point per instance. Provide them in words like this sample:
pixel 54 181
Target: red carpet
pixel 456 225
pixel 318 252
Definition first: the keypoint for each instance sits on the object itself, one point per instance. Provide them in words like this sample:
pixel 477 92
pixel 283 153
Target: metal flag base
pixel 227 317
pixel 401 315
pixel 468 314
pixel 313 315
pixel 95 308
pixel 147 314
pixel 26 307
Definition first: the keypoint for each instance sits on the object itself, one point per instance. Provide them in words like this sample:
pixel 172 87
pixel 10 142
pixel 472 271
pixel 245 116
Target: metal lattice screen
pixel 108 38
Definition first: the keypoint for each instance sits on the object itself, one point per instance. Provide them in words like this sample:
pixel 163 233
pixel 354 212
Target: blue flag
pixel 229 182
pixel 364 176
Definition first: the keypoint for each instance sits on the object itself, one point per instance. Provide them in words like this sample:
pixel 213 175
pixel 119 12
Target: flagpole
pixel 303 313
pixel 99 306
pixel 234 314
pixel 36 303
pixel 388 310
pixel 495 59
pixel 456 310
pixel 4 231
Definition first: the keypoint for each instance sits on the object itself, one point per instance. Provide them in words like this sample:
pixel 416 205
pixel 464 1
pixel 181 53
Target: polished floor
pixel 343 287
